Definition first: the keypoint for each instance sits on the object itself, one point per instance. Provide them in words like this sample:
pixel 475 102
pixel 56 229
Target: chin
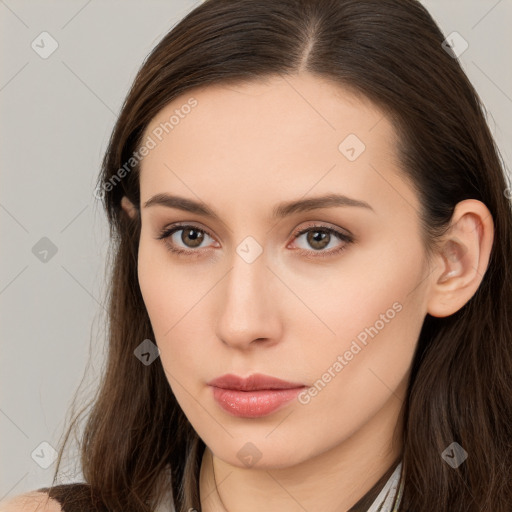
pixel 264 454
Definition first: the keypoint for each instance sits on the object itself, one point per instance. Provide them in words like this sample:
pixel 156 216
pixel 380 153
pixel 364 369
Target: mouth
pixel 254 396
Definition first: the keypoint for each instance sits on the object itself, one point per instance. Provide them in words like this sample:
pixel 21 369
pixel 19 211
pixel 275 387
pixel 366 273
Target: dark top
pixel 79 497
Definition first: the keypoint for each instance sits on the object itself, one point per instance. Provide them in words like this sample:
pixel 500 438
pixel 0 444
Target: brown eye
pixel 192 237
pixel 322 241
pixel 318 239
pixel 184 239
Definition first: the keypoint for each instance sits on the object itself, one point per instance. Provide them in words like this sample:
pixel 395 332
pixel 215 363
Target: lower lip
pixel 253 404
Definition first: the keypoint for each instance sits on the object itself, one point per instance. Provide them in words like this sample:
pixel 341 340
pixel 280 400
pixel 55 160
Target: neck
pixel 332 481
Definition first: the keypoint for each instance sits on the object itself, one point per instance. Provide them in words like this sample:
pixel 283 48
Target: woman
pixel 310 302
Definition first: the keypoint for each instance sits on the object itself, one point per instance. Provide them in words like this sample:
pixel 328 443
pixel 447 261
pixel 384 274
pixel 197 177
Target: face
pixel 330 297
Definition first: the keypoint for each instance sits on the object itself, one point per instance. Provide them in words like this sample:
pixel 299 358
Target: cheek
pixel 166 288
pixel 173 299
pixel 370 282
pixel 376 313
pixel 354 377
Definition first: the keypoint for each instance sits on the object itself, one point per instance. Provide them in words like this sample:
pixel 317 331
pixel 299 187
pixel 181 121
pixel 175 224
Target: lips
pixel 254 382
pixel 253 396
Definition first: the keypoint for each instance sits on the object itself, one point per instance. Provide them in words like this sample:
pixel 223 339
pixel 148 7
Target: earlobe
pixel 462 258
pixel 128 207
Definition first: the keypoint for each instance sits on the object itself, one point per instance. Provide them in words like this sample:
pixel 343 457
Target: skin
pixel 243 149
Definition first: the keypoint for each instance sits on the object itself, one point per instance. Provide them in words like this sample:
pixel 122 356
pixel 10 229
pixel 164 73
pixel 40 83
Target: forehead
pixel 277 139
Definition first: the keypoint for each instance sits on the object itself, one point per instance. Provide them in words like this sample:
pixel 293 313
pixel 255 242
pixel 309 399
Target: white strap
pixel 384 500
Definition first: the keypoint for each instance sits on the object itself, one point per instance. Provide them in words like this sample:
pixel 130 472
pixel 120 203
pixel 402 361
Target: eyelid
pixel 168 231
pixel 341 234
pixel 322 225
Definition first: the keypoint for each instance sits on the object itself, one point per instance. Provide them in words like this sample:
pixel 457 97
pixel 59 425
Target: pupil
pixel 197 239
pixel 318 238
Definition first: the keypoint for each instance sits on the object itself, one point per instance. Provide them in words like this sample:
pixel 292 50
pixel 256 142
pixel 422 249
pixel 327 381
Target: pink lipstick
pixel 254 396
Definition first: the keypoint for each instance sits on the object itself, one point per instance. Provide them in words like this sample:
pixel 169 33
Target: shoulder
pixel 76 497
pixel 34 501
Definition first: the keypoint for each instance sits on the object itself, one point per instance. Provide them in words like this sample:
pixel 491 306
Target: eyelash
pixel 348 239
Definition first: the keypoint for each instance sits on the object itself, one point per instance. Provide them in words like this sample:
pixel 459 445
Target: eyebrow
pixel 280 211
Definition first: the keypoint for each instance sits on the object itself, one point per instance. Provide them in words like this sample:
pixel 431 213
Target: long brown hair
pixel 460 388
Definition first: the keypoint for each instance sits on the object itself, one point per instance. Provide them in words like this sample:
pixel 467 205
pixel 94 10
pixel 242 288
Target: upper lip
pixel 253 382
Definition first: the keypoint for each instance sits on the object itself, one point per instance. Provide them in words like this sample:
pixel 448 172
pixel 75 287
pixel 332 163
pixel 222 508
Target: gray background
pixel 56 117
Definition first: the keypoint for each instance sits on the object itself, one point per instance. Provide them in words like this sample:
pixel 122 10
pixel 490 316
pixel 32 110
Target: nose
pixel 249 305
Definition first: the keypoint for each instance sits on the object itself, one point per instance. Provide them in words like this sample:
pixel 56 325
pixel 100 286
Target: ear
pixel 128 207
pixel 461 258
